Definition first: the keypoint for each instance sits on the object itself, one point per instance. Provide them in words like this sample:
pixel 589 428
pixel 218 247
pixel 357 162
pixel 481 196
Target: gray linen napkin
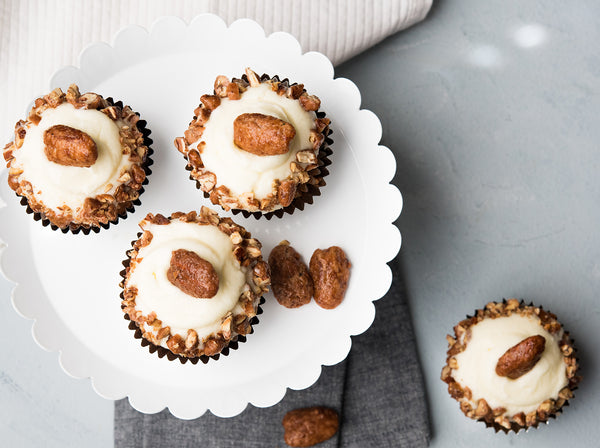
pixel 378 392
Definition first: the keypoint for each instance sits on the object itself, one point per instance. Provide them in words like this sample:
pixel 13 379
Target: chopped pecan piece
pixel 310 102
pixel 286 192
pixel 210 102
pixel 213 346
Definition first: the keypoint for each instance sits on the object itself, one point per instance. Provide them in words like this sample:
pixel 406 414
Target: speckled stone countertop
pixel 492 110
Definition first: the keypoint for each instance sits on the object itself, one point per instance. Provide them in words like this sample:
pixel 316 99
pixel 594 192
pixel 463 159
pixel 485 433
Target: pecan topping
pixel 286 192
pixel 210 101
pixel 69 146
pixel 310 102
pixel 521 358
pixel 309 426
pixel 263 135
pixel 290 279
pixel 330 271
pixel 295 91
pixel 193 274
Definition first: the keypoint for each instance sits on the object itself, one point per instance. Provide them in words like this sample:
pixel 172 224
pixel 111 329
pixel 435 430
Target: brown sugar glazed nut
pixel 330 271
pixel 308 426
pixel 511 367
pixel 262 135
pixel 521 358
pixel 193 274
pixel 69 146
pixel 290 280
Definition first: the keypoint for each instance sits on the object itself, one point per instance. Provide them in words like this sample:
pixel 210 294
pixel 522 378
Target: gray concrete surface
pixel 493 111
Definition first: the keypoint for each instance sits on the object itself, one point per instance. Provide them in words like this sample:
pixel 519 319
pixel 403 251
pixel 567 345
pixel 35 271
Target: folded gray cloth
pixel 378 392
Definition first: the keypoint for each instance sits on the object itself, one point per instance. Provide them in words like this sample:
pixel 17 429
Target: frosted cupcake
pixel 258 145
pixel 193 283
pixel 78 161
pixel 511 365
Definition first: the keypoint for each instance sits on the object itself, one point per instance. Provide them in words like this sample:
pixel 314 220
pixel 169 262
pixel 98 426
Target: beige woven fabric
pixel 38 37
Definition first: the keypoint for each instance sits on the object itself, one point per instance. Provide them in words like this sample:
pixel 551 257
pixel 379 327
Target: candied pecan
pixel 262 135
pixel 521 358
pixel 308 426
pixel 330 271
pixel 69 146
pixel 193 274
pixel 290 279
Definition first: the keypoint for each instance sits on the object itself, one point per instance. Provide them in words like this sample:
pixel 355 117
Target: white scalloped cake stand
pixel 69 283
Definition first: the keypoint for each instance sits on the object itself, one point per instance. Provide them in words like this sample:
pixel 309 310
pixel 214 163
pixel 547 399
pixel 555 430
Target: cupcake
pixel 78 161
pixel 511 366
pixel 192 284
pixel 257 145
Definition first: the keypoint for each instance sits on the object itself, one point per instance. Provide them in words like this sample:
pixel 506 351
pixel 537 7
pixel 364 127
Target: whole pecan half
pixel 309 426
pixel 69 146
pixel 192 274
pixel 330 271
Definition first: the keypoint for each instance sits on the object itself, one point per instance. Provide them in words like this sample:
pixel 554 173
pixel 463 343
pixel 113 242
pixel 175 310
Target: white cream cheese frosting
pixel 489 339
pixel 176 309
pixel 56 185
pixel 241 171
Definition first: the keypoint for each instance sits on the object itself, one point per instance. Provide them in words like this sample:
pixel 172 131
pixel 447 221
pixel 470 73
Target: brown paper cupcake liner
pixel 161 351
pixel 86 229
pixel 306 192
pixel 573 380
